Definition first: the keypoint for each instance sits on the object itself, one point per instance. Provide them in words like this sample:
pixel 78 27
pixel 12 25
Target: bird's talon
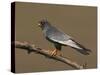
pixel 53 53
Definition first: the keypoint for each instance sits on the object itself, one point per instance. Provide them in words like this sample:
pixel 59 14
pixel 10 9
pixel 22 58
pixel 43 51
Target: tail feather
pixel 83 51
pixel 81 48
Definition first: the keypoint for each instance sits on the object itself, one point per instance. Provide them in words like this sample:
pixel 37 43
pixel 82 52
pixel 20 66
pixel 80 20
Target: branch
pixel 31 48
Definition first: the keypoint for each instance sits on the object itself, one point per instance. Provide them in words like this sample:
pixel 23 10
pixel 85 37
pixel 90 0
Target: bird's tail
pixel 80 48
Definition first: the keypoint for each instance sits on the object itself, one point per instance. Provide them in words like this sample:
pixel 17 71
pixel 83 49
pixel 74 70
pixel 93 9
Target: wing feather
pixel 57 35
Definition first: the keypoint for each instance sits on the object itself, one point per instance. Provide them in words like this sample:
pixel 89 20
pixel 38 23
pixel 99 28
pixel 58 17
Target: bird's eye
pixel 42 23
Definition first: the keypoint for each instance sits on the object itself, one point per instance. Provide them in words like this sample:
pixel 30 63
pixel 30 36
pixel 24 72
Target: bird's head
pixel 43 23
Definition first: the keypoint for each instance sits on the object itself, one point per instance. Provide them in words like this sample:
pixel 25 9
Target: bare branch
pixel 31 48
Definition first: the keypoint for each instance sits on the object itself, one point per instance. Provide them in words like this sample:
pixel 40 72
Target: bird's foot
pixel 55 52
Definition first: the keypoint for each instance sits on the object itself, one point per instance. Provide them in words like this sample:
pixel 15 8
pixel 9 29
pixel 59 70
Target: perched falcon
pixel 59 39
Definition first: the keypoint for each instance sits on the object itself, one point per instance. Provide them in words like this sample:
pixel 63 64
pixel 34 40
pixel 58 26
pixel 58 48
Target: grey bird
pixel 59 39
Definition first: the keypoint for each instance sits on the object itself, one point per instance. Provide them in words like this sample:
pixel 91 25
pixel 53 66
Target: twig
pixel 31 48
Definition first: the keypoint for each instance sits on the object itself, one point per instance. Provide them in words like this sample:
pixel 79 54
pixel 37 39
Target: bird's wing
pixel 76 46
pixel 63 39
pixel 60 37
pixel 57 36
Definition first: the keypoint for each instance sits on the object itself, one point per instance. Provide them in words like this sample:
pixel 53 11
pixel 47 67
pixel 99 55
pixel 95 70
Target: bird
pixel 59 39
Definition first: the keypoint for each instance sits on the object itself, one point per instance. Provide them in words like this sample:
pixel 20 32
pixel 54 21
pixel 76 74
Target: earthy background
pixel 78 21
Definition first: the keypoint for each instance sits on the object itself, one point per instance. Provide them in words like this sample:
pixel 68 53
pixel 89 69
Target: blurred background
pixel 80 22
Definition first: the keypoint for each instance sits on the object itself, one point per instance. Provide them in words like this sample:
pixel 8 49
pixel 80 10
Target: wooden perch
pixel 31 48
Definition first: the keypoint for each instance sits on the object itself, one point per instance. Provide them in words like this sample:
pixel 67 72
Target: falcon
pixel 59 39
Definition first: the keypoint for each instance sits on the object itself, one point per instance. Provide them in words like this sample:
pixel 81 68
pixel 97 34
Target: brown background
pixel 77 21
